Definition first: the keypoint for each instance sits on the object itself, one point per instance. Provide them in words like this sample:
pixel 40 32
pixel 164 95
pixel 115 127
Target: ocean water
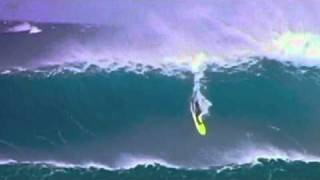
pixel 58 123
pixel 77 104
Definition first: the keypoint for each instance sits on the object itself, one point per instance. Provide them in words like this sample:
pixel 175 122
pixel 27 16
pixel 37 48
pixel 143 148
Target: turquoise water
pixel 140 126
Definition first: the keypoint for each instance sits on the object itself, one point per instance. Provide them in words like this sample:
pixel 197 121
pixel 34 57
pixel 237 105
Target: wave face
pixel 98 114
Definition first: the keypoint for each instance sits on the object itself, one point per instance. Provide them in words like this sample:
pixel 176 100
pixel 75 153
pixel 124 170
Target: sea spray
pixel 198 68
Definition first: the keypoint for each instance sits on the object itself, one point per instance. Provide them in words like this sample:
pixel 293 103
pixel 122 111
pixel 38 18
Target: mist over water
pixel 157 33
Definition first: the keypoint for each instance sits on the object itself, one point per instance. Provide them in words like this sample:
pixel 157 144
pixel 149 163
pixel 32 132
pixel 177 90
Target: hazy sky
pixel 110 11
pixel 193 15
pixel 173 27
pixel 92 11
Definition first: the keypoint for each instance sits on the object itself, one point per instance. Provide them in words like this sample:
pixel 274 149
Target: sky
pixel 172 11
pixel 81 11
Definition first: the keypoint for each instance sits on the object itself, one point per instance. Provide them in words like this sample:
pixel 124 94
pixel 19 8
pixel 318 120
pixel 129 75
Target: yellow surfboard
pixel 199 122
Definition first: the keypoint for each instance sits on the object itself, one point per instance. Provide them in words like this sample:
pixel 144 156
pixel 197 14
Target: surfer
pixel 197 116
pixel 197 113
pixel 197 110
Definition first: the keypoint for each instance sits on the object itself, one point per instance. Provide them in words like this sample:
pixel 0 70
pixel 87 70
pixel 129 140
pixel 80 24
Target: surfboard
pixel 198 121
pixel 201 127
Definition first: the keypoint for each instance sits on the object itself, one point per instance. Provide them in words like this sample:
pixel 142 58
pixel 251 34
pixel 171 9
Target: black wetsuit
pixel 197 108
pixel 197 111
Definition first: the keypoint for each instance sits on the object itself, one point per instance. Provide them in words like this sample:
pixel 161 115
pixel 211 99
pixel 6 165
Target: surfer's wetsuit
pixel 197 110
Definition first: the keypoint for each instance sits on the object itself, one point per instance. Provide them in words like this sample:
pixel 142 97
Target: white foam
pixel 198 67
pixel 224 168
pixel 24 27
pixel 96 165
pixel 274 128
pixel 124 162
pixel 35 30
pixel 7 161
pixel 231 160
pixel 60 164
pixel 127 161
pixel 6 72
pixel 251 153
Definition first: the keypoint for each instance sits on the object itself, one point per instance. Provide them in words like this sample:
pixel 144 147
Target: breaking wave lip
pixel 61 164
pixel 24 27
pixel 82 67
pixel 7 161
pixel 170 69
pixel 124 163
pixel 251 153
